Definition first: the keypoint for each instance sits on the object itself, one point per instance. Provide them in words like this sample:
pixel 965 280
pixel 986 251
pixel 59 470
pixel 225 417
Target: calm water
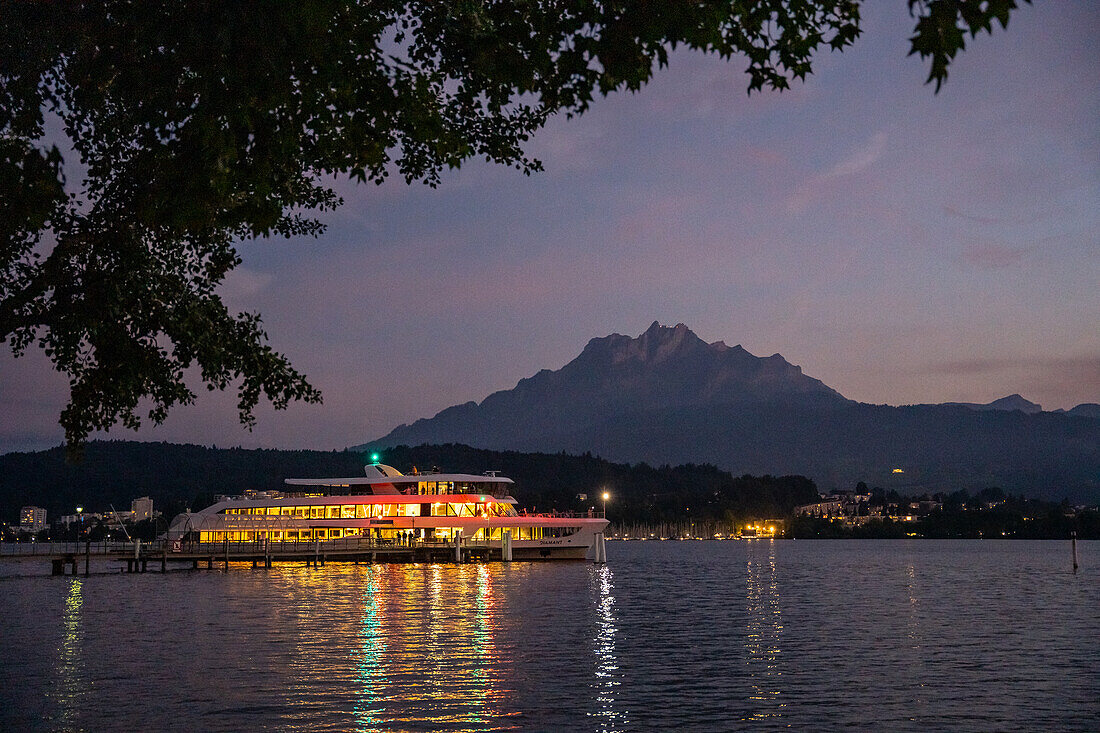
pixel 762 635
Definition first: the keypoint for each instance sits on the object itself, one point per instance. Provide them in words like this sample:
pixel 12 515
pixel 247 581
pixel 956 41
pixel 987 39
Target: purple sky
pixel 900 246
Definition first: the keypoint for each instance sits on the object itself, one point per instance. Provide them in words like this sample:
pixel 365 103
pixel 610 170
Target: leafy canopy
pixel 196 124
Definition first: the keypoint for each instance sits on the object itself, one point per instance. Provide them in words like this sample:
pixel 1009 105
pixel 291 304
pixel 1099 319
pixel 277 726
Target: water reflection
pixel 412 647
pixel 913 621
pixel 372 649
pixel 913 633
pixel 71 659
pixel 764 627
pixel 483 634
pixel 607 665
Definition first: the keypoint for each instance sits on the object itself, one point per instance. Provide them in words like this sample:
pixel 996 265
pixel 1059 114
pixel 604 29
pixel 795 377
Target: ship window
pixel 286 510
pixel 360 511
pixel 334 512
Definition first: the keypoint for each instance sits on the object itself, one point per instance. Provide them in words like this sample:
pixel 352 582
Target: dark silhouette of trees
pixel 194 125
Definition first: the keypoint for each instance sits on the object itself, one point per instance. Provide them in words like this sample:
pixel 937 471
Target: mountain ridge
pixel 669 396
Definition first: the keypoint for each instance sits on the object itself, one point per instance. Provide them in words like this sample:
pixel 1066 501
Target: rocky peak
pixel 674 365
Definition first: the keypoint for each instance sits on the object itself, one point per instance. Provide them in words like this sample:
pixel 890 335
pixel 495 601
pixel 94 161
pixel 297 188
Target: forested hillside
pixel 177 476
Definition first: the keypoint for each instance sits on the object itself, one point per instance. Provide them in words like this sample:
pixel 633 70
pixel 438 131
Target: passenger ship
pixel 391 508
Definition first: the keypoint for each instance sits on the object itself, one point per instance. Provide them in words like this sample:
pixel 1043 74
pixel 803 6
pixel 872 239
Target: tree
pixel 194 125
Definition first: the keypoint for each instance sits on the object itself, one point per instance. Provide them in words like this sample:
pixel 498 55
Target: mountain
pixel 1007 404
pixel 663 368
pixel 667 396
pixel 1085 409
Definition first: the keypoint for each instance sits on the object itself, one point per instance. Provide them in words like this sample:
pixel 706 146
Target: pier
pixel 79 558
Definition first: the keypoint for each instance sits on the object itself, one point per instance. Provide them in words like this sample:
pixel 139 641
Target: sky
pixel 901 246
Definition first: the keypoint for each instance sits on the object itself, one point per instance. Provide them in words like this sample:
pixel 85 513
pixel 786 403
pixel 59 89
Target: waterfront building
pixel 32 519
pixel 141 509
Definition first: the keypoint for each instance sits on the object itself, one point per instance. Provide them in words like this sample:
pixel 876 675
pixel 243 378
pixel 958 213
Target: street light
pixel 606 496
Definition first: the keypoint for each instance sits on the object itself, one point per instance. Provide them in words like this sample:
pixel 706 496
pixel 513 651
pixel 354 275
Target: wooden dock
pixel 138 557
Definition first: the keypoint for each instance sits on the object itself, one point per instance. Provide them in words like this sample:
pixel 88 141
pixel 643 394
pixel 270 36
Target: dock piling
pixel 1074 544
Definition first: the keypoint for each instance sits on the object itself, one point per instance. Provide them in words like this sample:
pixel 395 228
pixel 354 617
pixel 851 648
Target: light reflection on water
pixel 368 714
pixel 71 672
pixel 764 627
pixel 607 668
pixel 678 635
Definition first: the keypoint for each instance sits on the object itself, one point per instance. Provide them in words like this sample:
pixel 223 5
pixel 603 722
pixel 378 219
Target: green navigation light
pixel 374 457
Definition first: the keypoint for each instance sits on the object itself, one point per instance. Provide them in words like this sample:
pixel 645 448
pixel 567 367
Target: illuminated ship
pixel 386 507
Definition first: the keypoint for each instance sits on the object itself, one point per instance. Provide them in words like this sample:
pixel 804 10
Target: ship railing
pixel 101 547
pixel 588 514
pixel 299 546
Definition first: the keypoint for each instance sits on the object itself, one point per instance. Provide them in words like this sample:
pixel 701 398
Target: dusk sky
pixel 899 245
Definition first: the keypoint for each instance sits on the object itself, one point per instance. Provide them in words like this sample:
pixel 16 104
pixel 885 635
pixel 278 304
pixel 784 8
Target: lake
pixel 752 635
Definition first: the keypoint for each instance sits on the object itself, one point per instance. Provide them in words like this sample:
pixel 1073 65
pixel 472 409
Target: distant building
pixel 89 517
pixel 141 509
pixel 32 519
pixel 924 507
pixel 831 508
